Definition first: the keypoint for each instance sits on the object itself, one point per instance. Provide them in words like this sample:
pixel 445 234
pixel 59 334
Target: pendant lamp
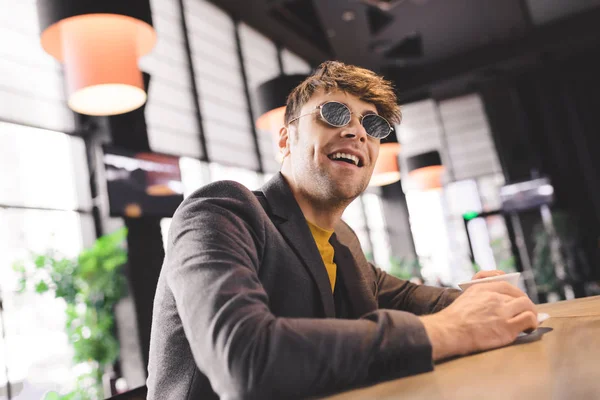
pixel 425 171
pixel 99 42
pixel 387 170
pixel 272 97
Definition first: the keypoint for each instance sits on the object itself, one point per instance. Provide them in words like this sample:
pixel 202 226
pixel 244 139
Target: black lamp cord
pixel 8 386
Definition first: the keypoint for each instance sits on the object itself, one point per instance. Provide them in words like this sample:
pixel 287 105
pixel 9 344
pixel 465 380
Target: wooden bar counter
pixel 561 360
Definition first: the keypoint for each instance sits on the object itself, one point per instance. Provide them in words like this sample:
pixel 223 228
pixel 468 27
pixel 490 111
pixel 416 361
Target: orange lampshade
pixel 100 52
pixel 387 170
pixel 425 172
pixel 426 178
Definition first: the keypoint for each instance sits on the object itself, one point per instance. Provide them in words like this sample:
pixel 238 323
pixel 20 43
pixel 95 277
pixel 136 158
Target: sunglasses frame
pixel 360 118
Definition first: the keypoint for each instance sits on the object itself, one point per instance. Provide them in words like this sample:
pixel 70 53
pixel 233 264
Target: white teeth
pixel 346 156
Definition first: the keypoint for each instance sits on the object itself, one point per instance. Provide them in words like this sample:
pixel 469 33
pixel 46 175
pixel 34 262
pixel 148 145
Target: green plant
pixel 542 262
pixel 90 284
pixel 505 261
pixel 406 268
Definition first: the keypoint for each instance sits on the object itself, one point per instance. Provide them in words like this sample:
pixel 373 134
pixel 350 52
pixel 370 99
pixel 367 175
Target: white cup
pixel 513 279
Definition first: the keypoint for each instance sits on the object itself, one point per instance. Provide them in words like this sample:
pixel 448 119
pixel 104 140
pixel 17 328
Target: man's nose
pixel 355 130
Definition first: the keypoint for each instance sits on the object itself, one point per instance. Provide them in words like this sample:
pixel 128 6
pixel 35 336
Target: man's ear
pixel 284 142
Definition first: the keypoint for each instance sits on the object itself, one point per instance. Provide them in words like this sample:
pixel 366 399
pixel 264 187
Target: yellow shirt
pixel 322 237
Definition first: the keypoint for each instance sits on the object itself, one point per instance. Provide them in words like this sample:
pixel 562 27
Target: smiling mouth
pixel 347 158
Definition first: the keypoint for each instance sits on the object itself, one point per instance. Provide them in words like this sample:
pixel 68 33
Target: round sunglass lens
pixel 336 114
pixel 376 126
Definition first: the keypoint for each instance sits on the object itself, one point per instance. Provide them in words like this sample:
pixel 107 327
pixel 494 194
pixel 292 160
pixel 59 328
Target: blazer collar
pixel 292 224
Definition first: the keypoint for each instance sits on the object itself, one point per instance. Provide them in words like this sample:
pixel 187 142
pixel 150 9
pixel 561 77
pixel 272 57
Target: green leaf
pixel 40 261
pixel 41 287
pixel 52 396
pixel 90 284
pixel 19 267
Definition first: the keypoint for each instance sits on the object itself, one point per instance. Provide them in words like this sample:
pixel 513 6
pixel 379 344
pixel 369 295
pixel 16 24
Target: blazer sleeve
pixel 212 266
pixel 397 294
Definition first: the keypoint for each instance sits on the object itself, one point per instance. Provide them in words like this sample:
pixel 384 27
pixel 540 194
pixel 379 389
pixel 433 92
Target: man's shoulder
pixel 217 207
pixel 220 196
pixel 223 188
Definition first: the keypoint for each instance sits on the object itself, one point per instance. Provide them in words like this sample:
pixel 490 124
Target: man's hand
pixel 487 274
pixel 485 316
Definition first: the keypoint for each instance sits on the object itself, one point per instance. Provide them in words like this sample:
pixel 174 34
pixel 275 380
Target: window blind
pixel 293 63
pixel 222 99
pixel 31 82
pixel 468 136
pixel 170 111
pixel 260 61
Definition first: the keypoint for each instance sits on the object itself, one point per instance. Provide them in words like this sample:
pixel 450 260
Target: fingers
pixel 500 287
pixel 524 322
pixel 487 274
pixel 518 306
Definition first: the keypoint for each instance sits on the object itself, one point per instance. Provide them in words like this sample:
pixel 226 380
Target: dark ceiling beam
pixel 575 33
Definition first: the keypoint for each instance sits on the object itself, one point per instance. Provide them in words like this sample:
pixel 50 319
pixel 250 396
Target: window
pixel 170 110
pixel 260 61
pixel 430 234
pixel 225 116
pixel 459 130
pixel 47 171
pixel 31 82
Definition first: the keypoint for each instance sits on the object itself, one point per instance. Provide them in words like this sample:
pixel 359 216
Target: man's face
pixel 311 145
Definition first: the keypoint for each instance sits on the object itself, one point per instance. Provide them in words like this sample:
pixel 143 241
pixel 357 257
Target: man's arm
pixel 246 351
pixel 398 294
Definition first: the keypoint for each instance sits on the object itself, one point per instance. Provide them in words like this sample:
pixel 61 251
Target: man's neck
pixel 320 213
pixel 324 217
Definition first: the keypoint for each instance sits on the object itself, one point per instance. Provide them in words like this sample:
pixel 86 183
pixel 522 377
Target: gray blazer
pixel 244 307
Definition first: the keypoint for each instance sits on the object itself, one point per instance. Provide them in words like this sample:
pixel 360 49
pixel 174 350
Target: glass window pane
pixel 52 173
pixel 39 356
pixel 354 216
pixel 428 226
pixel 461 197
pixel 194 174
pixel 489 189
pixel 373 211
pixel 248 178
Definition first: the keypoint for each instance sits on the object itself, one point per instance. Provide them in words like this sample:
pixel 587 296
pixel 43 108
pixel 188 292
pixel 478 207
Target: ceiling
pixel 426 45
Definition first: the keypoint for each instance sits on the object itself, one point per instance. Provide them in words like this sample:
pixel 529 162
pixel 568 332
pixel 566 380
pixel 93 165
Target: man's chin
pixel 347 191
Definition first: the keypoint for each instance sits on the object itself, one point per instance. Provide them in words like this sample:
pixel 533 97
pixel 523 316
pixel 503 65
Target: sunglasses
pixel 338 114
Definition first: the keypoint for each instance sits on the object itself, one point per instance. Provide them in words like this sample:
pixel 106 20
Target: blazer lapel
pixel 359 293
pixel 292 225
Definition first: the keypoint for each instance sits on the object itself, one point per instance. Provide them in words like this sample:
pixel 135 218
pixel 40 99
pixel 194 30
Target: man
pixel 267 294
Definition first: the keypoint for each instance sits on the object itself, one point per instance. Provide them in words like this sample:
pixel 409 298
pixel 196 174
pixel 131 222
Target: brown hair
pixel 360 82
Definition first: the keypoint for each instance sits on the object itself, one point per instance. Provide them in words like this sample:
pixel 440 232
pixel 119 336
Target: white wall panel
pixel 468 136
pixel 161 117
pixel 34 81
pixel 235 156
pixel 31 81
pixel 172 142
pixel 22 108
pixel 420 131
pixel 260 61
pixel 52 173
pixel 225 115
pixel 220 132
pixel 213 91
pixel 294 64
pixel 170 111
pixel 166 8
